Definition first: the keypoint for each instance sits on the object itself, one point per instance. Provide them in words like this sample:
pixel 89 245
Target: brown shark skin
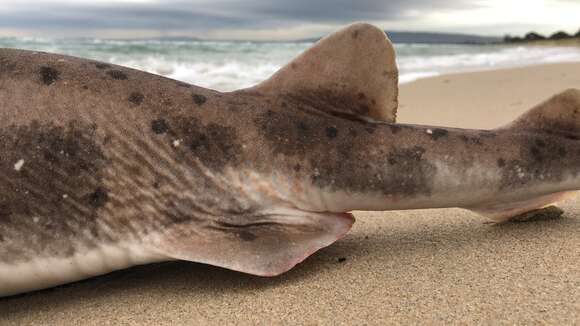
pixel 113 156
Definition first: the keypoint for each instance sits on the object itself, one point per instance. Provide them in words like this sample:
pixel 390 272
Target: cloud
pixel 176 14
pixel 263 17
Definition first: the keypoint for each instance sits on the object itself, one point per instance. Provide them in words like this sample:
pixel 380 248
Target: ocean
pixel 230 65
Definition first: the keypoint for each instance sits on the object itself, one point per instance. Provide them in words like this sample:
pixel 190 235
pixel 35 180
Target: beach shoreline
pixel 483 99
pixel 444 266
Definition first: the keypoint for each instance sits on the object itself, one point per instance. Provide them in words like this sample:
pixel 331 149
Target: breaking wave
pixel 231 65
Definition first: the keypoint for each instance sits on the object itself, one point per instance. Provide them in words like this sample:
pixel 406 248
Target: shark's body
pixel 104 167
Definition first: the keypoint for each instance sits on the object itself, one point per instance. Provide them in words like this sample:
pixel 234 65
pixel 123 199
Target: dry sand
pixel 431 266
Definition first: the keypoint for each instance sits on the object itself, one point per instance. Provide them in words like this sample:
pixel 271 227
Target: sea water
pixel 230 65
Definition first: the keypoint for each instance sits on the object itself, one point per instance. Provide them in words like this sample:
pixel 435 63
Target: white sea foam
pixel 231 65
pixel 225 76
pixel 492 57
pixel 412 76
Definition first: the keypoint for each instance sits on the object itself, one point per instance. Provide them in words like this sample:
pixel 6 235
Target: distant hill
pixel 440 38
pixel 433 38
pixel 535 37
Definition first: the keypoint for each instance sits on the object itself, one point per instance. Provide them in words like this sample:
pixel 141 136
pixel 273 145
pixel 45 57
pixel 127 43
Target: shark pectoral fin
pixel 351 72
pixel 265 248
pixel 524 209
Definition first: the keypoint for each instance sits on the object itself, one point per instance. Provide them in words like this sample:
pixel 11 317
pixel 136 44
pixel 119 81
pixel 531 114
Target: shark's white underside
pixel 45 272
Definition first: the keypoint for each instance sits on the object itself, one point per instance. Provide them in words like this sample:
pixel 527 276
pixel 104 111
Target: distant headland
pixel 537 37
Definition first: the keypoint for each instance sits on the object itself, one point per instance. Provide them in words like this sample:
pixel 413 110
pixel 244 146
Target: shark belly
pixel 45 272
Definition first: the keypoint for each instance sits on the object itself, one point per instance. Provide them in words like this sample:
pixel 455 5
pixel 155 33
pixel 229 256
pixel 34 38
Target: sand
pixel 431 266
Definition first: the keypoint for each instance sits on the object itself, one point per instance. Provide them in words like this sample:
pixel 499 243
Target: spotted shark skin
pixel 104 167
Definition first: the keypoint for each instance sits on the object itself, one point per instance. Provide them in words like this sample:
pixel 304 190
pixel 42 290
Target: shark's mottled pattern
pixel 103 167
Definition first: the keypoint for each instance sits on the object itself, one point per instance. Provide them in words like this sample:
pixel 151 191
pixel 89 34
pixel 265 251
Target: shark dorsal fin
pixel 352 71
pixel 558 115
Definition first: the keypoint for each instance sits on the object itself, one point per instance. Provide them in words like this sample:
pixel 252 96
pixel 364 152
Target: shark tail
pixel 559 116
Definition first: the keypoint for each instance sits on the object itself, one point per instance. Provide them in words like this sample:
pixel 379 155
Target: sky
pixel 279 19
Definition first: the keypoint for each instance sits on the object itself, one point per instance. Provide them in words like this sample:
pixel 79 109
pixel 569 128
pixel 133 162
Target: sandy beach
pixel 446 266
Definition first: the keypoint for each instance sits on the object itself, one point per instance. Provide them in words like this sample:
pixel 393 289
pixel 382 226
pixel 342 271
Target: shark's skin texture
pixel 104 167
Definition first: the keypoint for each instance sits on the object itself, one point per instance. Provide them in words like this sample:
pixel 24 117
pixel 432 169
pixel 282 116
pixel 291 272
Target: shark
pixel 103 167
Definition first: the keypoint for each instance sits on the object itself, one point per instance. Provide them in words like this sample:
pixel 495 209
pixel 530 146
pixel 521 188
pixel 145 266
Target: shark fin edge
pixel 262 249
pixel 522 210
pixel 350 72
pixel 559 115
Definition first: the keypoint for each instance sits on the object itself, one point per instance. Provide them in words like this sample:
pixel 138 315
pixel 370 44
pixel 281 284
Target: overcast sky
pixel 279 19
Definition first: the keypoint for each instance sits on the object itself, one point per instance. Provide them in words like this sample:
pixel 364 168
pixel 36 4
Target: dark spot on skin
pixel 361 96
pixel 439 133
pixel 347 165
pixel 562 151
pixel 85 87
pixel 572 137
pixel 50 203
pixel 536 154
pixel 199 142
pixel 293 65
pixel 136 98
pixel 341 259
pixel 302 127
pixel 473 140
pixel 371 128
pixel 331 132
pixel 501 162
pixel 216 146
pixel 247 235
pixel 409 172
pixel 48 75
pixel 117 75
pixel 6 66
pixel 297 167
pixel 364 109
pixel 182 84
pixel 156 185
pixel 395 128
pixel 355 34
pixel 102 66
pixel 539 160
pixel 159 126
pixel 99 198
pixel 199 99
pixel 487 134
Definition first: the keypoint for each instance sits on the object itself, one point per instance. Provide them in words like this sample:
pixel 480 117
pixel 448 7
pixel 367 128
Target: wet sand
pixel 430 266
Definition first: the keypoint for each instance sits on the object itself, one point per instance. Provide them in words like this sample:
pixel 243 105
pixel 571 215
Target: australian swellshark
pixel 104 167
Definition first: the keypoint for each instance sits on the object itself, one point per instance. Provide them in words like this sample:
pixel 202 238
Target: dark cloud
pixel 200 16
pixel 113 16
pixel 343 10
pixel 215 14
